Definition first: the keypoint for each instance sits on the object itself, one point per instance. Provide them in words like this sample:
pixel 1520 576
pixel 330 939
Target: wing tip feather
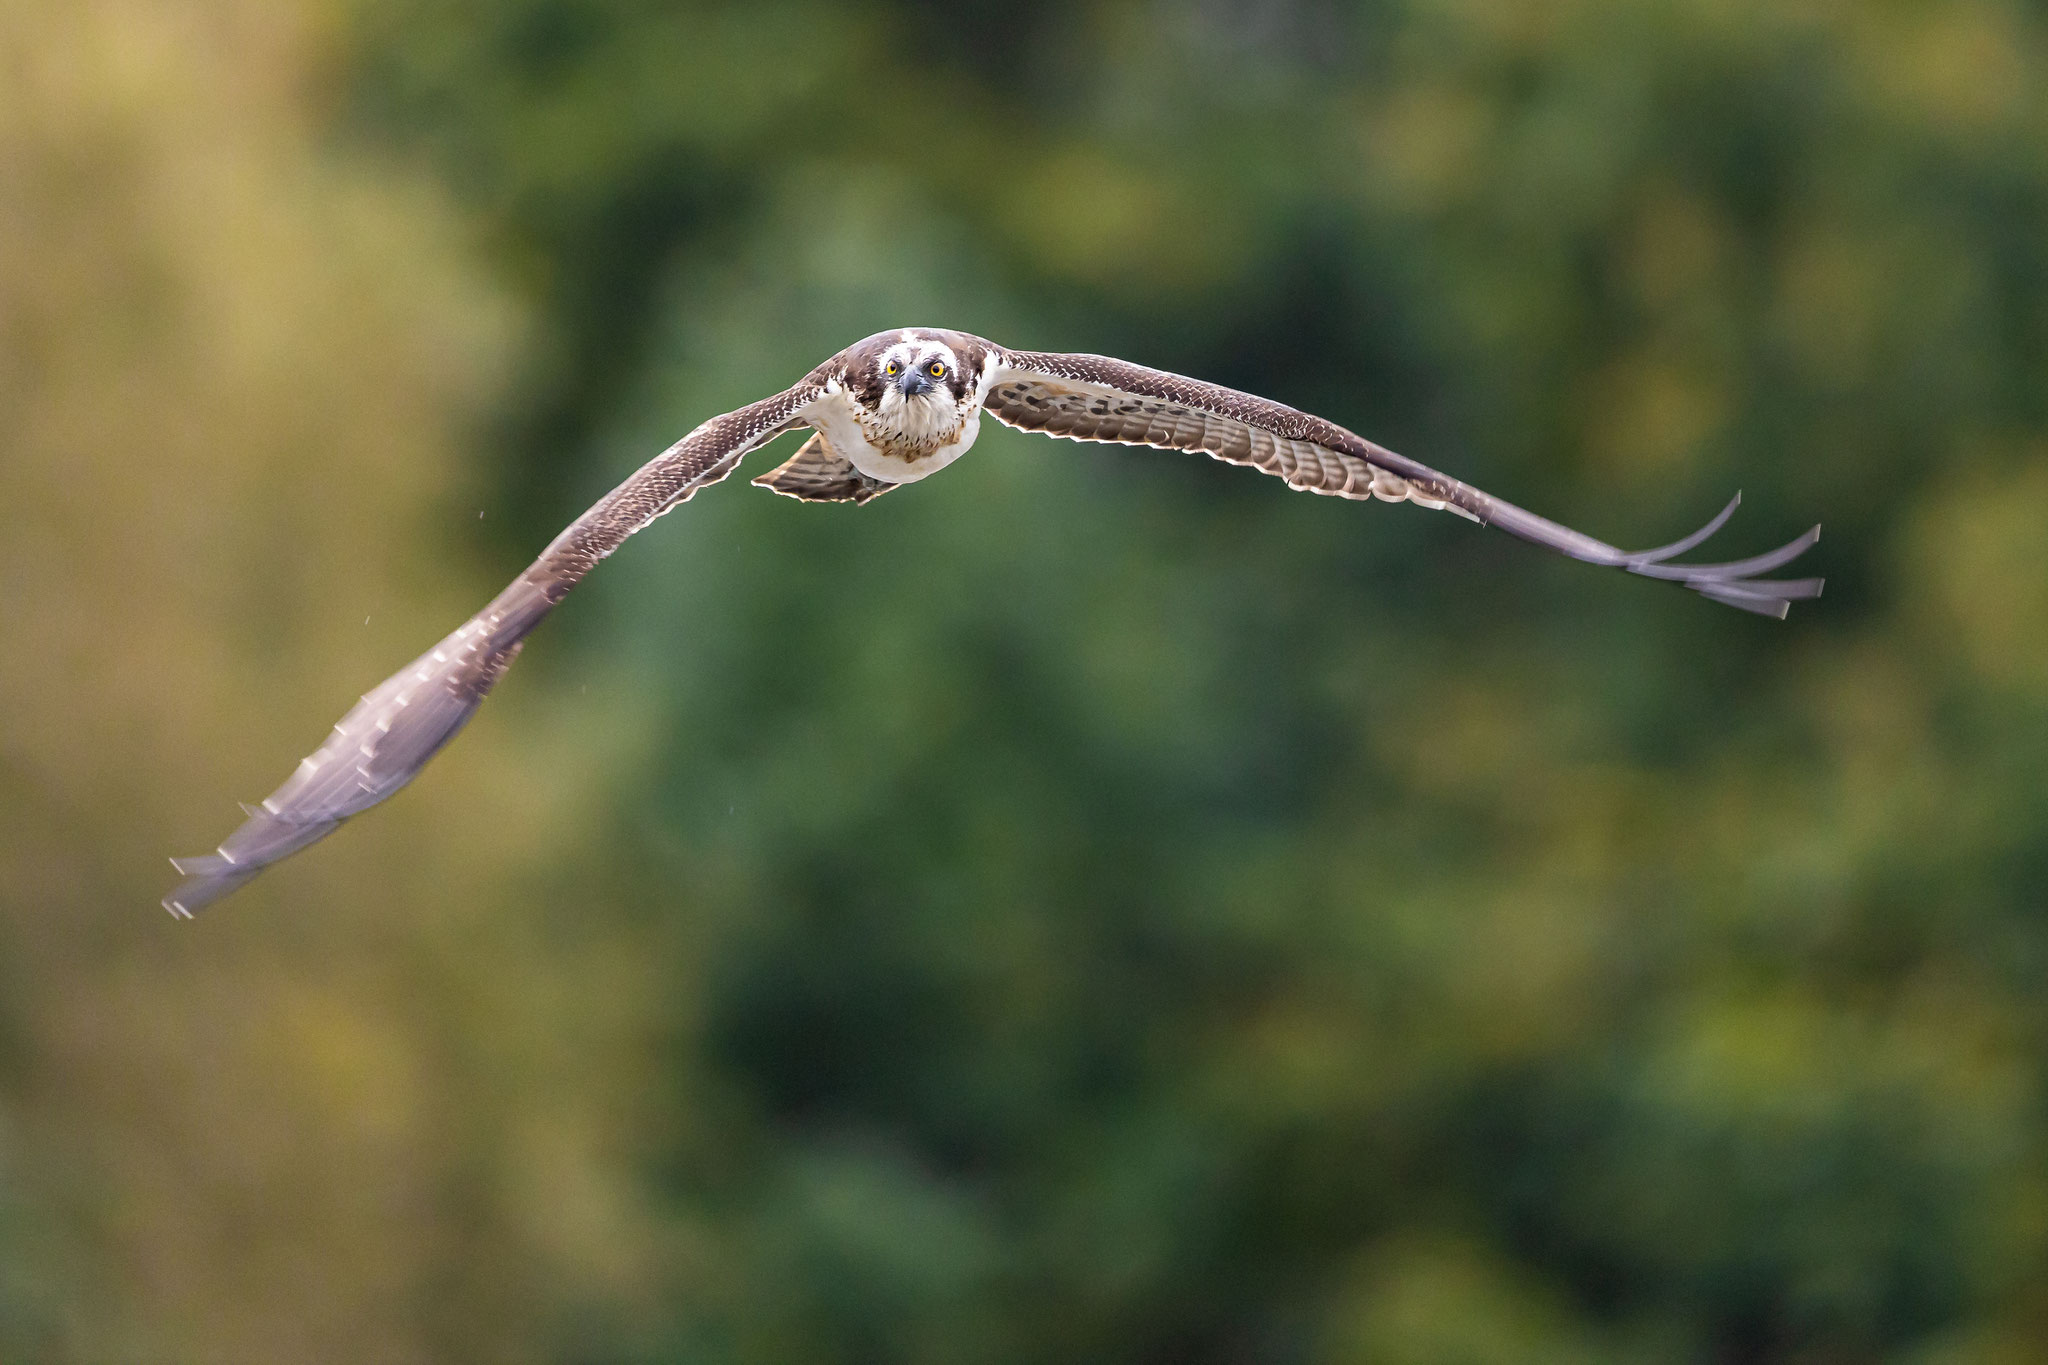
pixel 1739 582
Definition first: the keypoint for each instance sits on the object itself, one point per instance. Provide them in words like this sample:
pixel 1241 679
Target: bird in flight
pixel 885 412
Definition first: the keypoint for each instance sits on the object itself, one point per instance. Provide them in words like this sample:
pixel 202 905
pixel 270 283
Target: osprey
pixel 887 411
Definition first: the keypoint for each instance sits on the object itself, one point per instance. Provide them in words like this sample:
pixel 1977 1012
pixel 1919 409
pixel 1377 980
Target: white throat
pixel 928 419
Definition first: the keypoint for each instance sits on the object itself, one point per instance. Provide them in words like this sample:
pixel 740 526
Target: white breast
pixel 835 415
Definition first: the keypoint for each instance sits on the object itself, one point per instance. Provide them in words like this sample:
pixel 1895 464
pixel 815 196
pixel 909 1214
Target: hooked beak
pixel 914 382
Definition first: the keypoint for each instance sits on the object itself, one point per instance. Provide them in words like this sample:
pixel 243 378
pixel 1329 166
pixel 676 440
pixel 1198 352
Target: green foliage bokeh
pixel 1096 905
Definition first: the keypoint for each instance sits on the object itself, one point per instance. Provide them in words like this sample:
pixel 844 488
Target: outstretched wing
pixel 384 742
pixel 1096 398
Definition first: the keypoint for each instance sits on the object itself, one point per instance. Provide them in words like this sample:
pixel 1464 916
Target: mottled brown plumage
pixel 892 409
pixel 817 474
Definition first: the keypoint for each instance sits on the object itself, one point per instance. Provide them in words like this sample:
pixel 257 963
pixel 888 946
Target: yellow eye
pixel 938 369
pixel 893 367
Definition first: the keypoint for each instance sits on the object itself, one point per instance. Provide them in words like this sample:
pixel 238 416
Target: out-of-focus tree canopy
pixel 1095 905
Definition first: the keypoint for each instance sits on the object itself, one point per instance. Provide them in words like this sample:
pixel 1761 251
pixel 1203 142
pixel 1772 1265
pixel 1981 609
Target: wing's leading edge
pixel 384 741
pixel 1099 398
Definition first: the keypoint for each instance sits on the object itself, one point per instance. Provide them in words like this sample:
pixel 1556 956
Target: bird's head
pixel 919 371
pixel 914 383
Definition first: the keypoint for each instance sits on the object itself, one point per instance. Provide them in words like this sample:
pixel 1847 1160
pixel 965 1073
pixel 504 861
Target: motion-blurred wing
pixel 1096 398
pixel 384 742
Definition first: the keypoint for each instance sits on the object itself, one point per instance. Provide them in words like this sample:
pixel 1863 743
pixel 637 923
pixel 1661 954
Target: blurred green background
pixel 1097 905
